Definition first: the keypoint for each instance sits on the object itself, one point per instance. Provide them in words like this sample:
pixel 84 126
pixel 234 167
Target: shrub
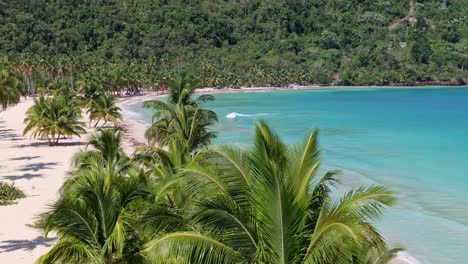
pixel 9 193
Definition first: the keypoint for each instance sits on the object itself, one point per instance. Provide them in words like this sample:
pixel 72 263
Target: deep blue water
pixel 412 140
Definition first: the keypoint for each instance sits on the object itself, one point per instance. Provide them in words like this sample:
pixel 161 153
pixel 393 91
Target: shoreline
pixel 132 99
pixel 124 102
pixel 324 88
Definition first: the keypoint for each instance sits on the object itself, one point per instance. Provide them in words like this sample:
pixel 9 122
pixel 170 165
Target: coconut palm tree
pixel 53 118
pixel 182 91
pixel 373 256
pixel 186 124
pixel 10 89
pixel 181 117
pixel 106 146
pixel 27 69
pixel 94 217
pixel 104 108
pixel 169 206
pixel 266 204
pixel 169 197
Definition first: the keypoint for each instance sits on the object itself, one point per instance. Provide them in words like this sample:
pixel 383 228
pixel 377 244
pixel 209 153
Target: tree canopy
pixel 238 42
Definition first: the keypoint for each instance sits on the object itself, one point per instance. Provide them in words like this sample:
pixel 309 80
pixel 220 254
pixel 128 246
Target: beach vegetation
pixel 104 108
pixel 54 118
pixel 180 118
pixel 10 88
pixel 9 193
pixel 268 202
pixel 106 147
pixel 94 217
pixel 233 43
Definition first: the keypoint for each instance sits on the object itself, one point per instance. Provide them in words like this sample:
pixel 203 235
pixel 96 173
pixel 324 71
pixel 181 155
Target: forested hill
pixel 244 42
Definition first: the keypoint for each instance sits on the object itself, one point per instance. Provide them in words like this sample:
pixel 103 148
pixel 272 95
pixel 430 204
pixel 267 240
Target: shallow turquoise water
pixel 413 140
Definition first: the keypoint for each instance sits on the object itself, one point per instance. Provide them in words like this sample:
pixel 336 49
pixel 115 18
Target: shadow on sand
pixel 26 176
pixel 43 144
pixel 25 158
pixel 7 133
pixel 27 245
pixel 38 166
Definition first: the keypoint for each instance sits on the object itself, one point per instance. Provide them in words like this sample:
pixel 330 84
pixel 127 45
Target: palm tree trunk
pixel 58 138
pixel 109 259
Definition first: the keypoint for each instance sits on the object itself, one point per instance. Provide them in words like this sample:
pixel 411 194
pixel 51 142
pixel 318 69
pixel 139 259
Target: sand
pixel 40 170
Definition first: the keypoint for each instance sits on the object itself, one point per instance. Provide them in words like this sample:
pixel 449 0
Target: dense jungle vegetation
pixel 140 43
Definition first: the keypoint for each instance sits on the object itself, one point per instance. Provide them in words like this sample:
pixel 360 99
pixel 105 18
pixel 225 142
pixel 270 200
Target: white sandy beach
pixel 39 170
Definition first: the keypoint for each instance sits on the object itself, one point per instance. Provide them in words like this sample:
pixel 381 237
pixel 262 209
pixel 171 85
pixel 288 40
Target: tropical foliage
pixel 121 46
pixel 180 118
pixel 103 108
pixel 93 217
pixel 106 148
pixel 54 118
pixel 10 86
pixel 267 204
pixel 263 204
pixel 9 193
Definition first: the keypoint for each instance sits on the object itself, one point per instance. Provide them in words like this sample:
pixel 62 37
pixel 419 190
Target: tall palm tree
pixel 170 206
pixel 106 146
pixel 53 118
pixel 267 204
pixel 186 124
pixel 27 69
pixel 163 166
pixel 104 108
pixel 181 116
pixel 182 91
pixel 94 217
pixel 10 89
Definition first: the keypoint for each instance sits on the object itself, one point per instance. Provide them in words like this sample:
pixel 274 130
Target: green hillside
pixel 240 42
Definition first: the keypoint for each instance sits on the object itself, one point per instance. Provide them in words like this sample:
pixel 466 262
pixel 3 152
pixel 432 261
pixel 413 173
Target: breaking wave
pixel 234 115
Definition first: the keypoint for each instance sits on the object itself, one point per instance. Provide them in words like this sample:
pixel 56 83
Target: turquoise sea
pixel 414 140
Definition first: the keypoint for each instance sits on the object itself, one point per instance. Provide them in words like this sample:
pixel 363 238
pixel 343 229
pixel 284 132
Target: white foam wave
pixel 234 115
pixel 404 257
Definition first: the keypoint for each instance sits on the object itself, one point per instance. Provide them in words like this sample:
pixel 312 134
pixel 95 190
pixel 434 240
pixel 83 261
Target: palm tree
pixel 104 108
pixel 107 148
pixel 266 204
pixel 10 92
pixel 186 124
pixel 53 118
pixel 181 117
pixel 182 90
pixel 170 206
pixel 94 217
pixel 27 69
pixel 373 256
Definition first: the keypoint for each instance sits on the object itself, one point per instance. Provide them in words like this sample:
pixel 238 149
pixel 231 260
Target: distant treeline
pixel 140 43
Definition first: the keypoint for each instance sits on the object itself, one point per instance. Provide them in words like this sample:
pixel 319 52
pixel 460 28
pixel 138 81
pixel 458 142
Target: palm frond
pixel 71 250
pixel 190 247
